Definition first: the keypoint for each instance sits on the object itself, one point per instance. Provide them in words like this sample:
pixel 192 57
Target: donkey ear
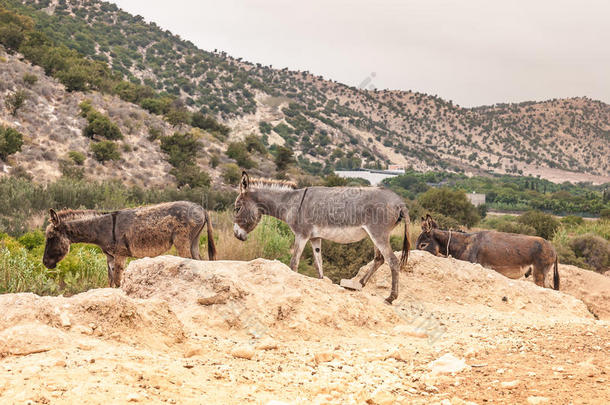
pixel 433 224
pixel 244 183
pixel 54 217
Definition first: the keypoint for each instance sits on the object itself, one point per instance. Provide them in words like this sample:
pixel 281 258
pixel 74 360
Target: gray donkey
pixel 136 232
pixel 338 214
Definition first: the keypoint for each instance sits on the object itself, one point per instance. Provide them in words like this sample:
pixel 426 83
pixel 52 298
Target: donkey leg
pixel 195 248
pixel 110 265
pixel 378 261
pixel 382 242
pixel 183 246
pixel 539 275
pixel 316 245
pixel 297 250
pixel 119 266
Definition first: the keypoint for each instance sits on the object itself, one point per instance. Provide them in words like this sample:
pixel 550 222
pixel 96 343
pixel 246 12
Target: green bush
pixel 15 101
pixel 594 250
pixel 452 203
pixel 190 175
pixel 239 152
pixel 283 158
pixel 10 142
pixel 77 157
pixel 544 224
pixel 32 240
pixel 181 149
pixel 99 124
pixel 604 214
pixel 207 123
pixel 105 150
pixel 231 174
pixel 572 220
pixel 516 227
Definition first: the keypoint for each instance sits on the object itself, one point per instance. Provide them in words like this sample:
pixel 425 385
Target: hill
pixel 331 125
pixel 256 332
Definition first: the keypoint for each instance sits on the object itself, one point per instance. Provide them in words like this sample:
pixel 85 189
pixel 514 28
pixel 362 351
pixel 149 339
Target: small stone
pixel 381 398
pixel 510 384
pixel 323 357
pixel 243 352
pixel 350 284
pixel 447 364
pixel 267 344
pixel 219 298
pixel 192 351
pixel 64 319
pixel 401 355
pixel 533 400
pixel 85 330
pixel 409 331
pixel 60 363
pixel 133 397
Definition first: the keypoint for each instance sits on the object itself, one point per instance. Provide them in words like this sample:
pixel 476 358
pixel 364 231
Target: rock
pixel 381 398
pixel 192 351
pixel 446 364
pixel 243 352
pixel 64 319
pixel 323 357
pixel 220 298
pixel 401 355
pixel 23 340
pixel 350 284
pixel 133 397
pixel 267 344
pixel 510 384
pixel 537 400
pixel 85 330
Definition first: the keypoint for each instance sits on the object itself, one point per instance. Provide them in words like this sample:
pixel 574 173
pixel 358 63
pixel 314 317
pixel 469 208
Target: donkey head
pixel 57 244
pixel 427 240
pixel 247 211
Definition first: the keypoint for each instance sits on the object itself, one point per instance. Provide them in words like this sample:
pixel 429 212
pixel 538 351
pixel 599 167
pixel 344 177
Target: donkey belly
pixel 513 272
pixel 340 235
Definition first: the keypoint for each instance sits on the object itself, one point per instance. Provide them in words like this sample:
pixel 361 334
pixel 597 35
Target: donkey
pixel 136 232
pixel 338 214
pixel 509 254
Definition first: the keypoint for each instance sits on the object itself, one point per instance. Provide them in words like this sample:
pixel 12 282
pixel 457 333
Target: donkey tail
pixel 211 245
pixel 556 276
pixel 406 244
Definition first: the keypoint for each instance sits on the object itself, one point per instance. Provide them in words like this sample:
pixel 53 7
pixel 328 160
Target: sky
pixel 474 52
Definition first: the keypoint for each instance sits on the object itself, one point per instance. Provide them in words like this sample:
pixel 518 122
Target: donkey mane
pixel 72 215
pixel 272 184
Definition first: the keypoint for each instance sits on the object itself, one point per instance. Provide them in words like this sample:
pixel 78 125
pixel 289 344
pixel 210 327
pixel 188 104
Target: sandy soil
pixel 181 331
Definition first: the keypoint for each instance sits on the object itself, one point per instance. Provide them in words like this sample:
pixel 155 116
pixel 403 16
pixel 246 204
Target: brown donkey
pixel 338 214
pixel 137 232
pixel 509 254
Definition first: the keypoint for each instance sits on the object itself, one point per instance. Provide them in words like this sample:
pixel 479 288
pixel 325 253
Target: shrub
pixel 283 157
pixel 77 157
pixel 70 170
pixel 207 123
pixel 604 214
pixel 254 144
pixel 516 227
pixel 15 101
pixel 239 152
pixel 99 124
pixel 544 224
pixel 452 203
pixel 105 150
pixel 190 175
pixel 572 220
pixel 231 174
pixel 181 149
pixel 30 79
pixel 10 142
pixel 594 250
pixel 32 239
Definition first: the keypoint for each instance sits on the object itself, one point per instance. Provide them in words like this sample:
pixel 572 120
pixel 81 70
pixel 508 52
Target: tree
pixel 177 116
pixel 283 157
pixel 544 224
pixel 452 203
pixel 105 150
pixel 181 149
pixel 190 175
pixel 11 36
pixel 231 174
pixel 15 101
pixel 10 142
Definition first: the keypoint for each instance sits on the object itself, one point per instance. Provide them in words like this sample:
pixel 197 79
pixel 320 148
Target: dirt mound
pixel 102 313
pixel 254 297
pixel 445 282
pixel 590 287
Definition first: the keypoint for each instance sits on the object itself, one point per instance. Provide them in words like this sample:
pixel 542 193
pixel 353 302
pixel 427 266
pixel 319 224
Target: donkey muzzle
pixel 239 233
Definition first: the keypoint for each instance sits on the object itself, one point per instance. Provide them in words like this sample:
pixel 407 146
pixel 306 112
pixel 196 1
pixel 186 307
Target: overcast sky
pixel 473 52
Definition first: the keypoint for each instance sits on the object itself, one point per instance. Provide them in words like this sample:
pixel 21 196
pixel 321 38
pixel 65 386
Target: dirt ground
pixel 181 331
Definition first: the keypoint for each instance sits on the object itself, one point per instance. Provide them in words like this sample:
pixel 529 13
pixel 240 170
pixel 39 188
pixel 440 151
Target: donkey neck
pixel 279 203
pixel 452 243
pixel 96 229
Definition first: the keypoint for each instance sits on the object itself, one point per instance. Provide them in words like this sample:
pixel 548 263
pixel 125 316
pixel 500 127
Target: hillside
pixel 307 112
pixel 184 331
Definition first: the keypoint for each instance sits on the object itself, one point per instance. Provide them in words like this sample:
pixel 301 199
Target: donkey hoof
pixel 389 300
